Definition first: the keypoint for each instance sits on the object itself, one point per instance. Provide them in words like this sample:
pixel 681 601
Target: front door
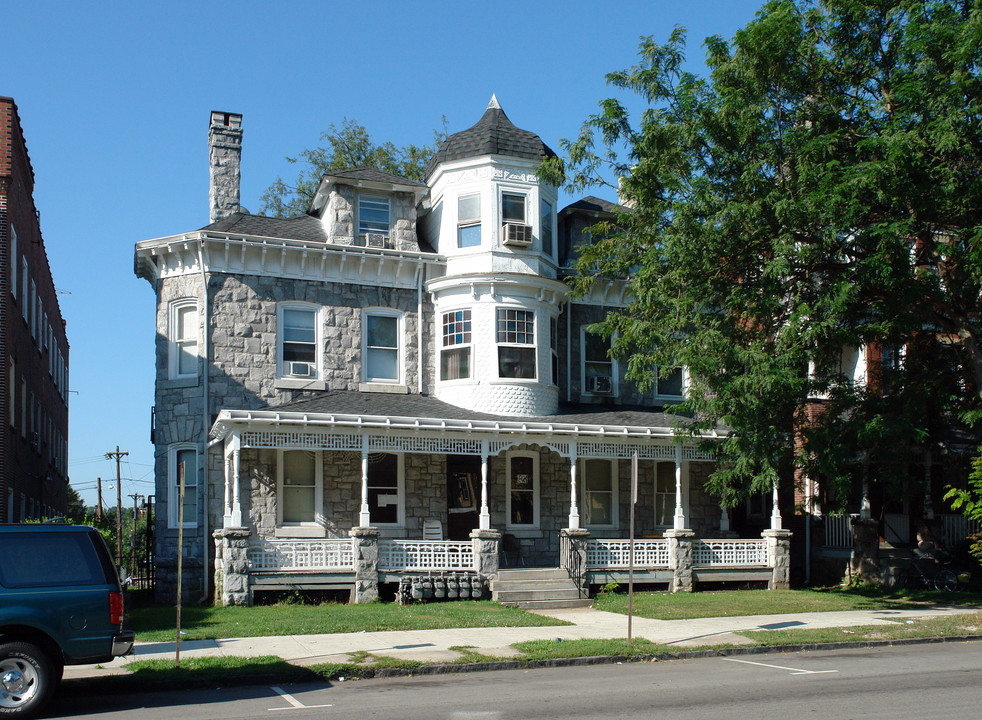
pixel 463 504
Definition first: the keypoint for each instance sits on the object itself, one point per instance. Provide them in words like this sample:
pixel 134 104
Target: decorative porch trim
pixel 731 553
pixel 425 555
pixel 287 555
pixel 607 553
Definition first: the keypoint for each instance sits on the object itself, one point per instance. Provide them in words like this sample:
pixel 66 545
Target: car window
pixel 49 559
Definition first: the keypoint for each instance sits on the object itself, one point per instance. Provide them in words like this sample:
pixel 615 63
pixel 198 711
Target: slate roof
pixel 300 227
pixel 372 175
pixel 494 134
pixel 346 402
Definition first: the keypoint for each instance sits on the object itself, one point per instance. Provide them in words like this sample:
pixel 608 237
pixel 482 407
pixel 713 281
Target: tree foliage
pixel 819 189
pixel 348 146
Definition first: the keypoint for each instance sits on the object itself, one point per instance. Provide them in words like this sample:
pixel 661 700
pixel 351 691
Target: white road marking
pixel 793 671
pixel 295 704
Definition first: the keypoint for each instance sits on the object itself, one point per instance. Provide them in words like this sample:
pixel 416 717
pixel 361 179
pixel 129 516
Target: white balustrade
pixel 612 553
pixel 284 555
pixel 424 555
pixel 955 528
pixel 838 533
pixel 730 553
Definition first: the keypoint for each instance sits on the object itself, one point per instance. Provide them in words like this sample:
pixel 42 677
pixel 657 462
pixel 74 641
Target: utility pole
pixel 119 503
pixel 98 507
pixel 135 497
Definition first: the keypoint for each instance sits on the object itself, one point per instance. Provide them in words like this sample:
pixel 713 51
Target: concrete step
pixel 554 604
pixel 528 594
pixel 524 574
pixel 505 585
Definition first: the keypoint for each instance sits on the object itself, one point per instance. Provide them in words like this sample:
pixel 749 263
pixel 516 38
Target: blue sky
pixel 115 98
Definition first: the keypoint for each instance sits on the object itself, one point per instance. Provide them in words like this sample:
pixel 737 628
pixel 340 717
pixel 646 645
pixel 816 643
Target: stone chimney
pixel 225 158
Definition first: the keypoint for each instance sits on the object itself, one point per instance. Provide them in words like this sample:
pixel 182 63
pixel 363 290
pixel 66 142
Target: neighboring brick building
pixel 34 384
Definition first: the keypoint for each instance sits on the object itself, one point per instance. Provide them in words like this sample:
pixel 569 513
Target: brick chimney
pixel 225 158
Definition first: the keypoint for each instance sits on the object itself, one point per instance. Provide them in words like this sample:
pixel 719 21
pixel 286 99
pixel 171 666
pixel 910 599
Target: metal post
pixel 630 561
pixel 180 556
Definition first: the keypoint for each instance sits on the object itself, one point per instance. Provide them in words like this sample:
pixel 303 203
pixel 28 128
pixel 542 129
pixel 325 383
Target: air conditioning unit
pixel 599 385
pixel 376 240
pixel 301 369
pixel 516 235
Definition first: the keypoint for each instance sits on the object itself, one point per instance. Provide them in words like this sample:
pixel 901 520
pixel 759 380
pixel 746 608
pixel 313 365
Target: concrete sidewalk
pixel 433 646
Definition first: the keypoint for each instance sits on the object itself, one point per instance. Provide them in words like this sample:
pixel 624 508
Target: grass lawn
pixel 947 625
pixel 681 606
pixel 155 623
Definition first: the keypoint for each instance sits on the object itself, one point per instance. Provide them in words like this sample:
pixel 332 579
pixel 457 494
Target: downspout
pixel 204 424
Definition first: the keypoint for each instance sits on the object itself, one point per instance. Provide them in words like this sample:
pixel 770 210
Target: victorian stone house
pixel 398 383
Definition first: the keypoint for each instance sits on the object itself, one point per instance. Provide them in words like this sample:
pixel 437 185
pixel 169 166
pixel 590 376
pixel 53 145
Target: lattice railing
pixel 729 553
pixel 955 528
pixel 302 555
pixel 425 555
pixel 605 553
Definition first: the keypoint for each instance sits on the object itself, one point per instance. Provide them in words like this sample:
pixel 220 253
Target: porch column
pixel 574 511
pixel 681 558
pixel 775 510
pixel 227 501
pixel 365 541
pixel 779 558
pixel 679 523
pixel 236 482
pixel 232 566
pixel 364 517
pixel 724 523
pixel 865 510
pixel 485 517
pixel 928 504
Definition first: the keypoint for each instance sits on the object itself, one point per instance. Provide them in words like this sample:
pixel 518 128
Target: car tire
pixel 26 680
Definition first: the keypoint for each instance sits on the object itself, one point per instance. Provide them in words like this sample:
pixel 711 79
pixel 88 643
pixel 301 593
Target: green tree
pixel 348 146
pixel 76 508
pixel 819 189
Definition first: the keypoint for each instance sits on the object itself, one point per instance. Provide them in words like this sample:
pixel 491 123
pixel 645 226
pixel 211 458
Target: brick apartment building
pixel 34 391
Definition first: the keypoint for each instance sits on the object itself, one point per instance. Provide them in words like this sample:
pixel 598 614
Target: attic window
pixel 373 215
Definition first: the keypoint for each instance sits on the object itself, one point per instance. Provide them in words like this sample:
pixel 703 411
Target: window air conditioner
pixel 599 384
pixel 516 235
pixel 376 240
pixel 301 369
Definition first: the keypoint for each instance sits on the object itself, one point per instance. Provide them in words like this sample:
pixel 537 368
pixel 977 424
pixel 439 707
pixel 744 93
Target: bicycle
pixel 913 577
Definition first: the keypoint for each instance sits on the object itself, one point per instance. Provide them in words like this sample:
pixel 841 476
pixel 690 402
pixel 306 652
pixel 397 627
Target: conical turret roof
pixel 494 134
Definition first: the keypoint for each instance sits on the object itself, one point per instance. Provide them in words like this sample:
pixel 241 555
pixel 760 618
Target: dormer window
pixel 469 221
pixel 373 216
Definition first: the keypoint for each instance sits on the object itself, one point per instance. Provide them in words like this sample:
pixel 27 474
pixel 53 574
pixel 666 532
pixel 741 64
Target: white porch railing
pixel 956 527
pixel 286 555
pixel 425 555
pixel 608 553
pixel 838 534
pixel 730 553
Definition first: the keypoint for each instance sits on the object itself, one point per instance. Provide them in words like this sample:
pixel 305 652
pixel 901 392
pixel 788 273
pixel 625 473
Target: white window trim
pixel 400 317
pixel 537 337
pixel 284 379
pixel 400 492
pixel 174 343
pixel 502 191
pixel 470 222
pixel 172 489
pixel 659 397
pixel 614 374
pixel 469 346
pixel 378 198
pixel 536 498
pixel 614 485
pixel 317 528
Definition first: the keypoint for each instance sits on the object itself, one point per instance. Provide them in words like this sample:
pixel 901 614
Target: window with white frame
pixel 381 346
pixel 183 339
pixel 513 208
pixel 599 482
pixel 545 226
pixel 669 383
pixel 554 348
pixel 373 216
pixel 516 343
pixel 469 220
pixel 455 356
pixel 598 366
pixel 182 462
pixel 299 474
pixel 664 493
pixel 298 340
pixel 523 489
pixel 386 489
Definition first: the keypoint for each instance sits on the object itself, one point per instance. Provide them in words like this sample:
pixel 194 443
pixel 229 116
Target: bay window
pixel 455 357
pixel 469 221
pixel 516 343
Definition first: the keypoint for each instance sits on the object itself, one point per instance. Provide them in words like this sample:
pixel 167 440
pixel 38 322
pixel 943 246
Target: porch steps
pixel 536 589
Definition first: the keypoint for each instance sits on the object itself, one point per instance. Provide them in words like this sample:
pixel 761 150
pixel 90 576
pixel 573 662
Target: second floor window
pixel 545 226
pixel 183 464
pixel 183 346
pixel 516 343
pixel 455 357
pixel 513 208
pixel 598 367
pixel 469 221
pixel 298 342
pixel 382 348
pixel 373 215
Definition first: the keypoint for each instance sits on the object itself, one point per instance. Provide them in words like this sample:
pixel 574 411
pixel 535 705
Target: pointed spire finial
pixel 494 103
